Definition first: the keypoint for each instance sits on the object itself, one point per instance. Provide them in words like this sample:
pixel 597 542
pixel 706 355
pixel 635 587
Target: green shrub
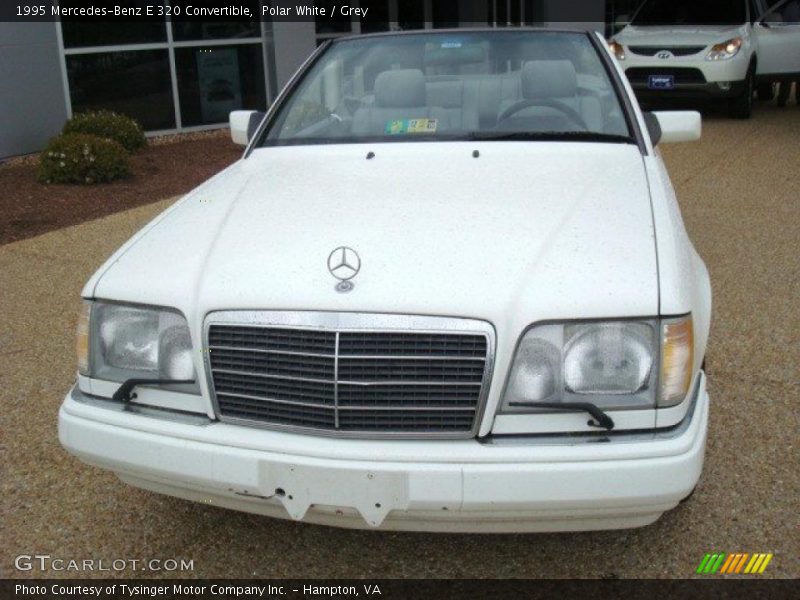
pixel 107 124
pixel 80 158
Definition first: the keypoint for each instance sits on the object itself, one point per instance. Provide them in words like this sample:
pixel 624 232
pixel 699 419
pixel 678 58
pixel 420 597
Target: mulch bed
pixel 167 167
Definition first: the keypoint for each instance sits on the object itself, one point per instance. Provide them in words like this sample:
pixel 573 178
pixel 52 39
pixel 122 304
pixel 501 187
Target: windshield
pixel 691 12
pixel 453 85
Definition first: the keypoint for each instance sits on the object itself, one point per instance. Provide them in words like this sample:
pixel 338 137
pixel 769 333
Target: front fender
pixel 684 282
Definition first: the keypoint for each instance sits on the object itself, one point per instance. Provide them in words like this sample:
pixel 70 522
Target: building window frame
pixel 169 45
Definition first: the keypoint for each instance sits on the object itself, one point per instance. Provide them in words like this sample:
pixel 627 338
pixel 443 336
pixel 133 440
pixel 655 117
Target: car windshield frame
pixel 276 115
pixel 672 21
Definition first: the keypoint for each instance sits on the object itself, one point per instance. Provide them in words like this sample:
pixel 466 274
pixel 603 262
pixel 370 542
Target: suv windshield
pixel 453 85
pixel 691 12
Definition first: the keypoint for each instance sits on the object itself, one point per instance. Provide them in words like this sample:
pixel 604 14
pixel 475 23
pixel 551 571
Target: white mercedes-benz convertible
pixel 447 287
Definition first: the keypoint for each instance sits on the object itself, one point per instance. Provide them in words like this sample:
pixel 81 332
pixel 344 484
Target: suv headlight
pixel 725 50
pixel 617 49
pixel 117 342
pixel 620 364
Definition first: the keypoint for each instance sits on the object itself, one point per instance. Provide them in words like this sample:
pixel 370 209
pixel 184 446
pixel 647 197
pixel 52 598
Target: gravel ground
pixel 739 193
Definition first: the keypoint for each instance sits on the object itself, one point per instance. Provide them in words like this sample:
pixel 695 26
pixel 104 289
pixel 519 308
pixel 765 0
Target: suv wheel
pixel 741 107
pixel 765 91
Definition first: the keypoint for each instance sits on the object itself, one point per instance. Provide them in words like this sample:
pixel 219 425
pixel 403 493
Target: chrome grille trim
pixel 336 383
pixel 677 51
pixel 348 356
pixel 338 407
pixel 344 381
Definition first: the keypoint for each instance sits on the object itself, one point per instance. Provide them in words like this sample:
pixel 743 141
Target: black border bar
pixel 100 11
pixel 751 588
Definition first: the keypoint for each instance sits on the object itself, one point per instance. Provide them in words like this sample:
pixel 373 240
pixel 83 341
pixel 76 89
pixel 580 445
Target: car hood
pixel 524 232
pixel 677 35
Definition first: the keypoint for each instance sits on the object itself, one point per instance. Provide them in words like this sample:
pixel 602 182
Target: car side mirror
pixel 621 22
pixel 244 124
pixel 674 126
pixel 772 18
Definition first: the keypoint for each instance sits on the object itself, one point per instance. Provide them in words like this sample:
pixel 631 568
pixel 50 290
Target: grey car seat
pixel 399 95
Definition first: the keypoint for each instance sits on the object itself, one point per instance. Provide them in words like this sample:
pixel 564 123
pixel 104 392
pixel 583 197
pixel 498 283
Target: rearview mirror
pixel 621 22
pixel 244 124
pixel 674 126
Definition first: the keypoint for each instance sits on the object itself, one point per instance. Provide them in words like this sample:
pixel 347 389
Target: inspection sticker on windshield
pixel 411 126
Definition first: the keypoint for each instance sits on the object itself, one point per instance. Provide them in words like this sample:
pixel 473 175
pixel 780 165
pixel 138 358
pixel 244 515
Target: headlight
pixel 133 342
pixel 617 49
pixel 677 360
pixel 613 364
pixel 725 50
pixel 82 338
pixel 608 358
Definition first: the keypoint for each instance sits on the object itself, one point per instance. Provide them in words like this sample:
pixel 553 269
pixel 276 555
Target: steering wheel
pixel 571 114
pixel 351 103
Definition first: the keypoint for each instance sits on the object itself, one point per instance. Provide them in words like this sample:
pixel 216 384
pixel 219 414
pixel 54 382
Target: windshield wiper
pixel 125 393
pixel 554 136
pixel 602 418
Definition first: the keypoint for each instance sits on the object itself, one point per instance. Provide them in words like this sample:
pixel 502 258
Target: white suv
pixel 710 49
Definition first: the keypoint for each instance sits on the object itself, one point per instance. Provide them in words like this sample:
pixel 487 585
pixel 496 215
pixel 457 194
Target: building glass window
pixel 445 15
pixel 332 25
pixel 186 29
pixel 515 15
pixel 411 14
pixel 215 80
pixel 81 34
pixel 377 18
pixel 134 83
pixel 534 12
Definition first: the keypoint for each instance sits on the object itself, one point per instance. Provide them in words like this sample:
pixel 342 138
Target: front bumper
pixel 461 485
pixel 695 77
pixel 689 91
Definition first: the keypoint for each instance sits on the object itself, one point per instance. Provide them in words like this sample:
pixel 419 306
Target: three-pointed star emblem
pixel 344 263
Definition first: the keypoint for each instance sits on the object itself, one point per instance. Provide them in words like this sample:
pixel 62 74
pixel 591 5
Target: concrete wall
pixel 294 43
pixel 32 103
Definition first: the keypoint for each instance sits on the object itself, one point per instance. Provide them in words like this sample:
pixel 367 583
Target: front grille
pixel 351 382
pixel 681 75
pixel 674 50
